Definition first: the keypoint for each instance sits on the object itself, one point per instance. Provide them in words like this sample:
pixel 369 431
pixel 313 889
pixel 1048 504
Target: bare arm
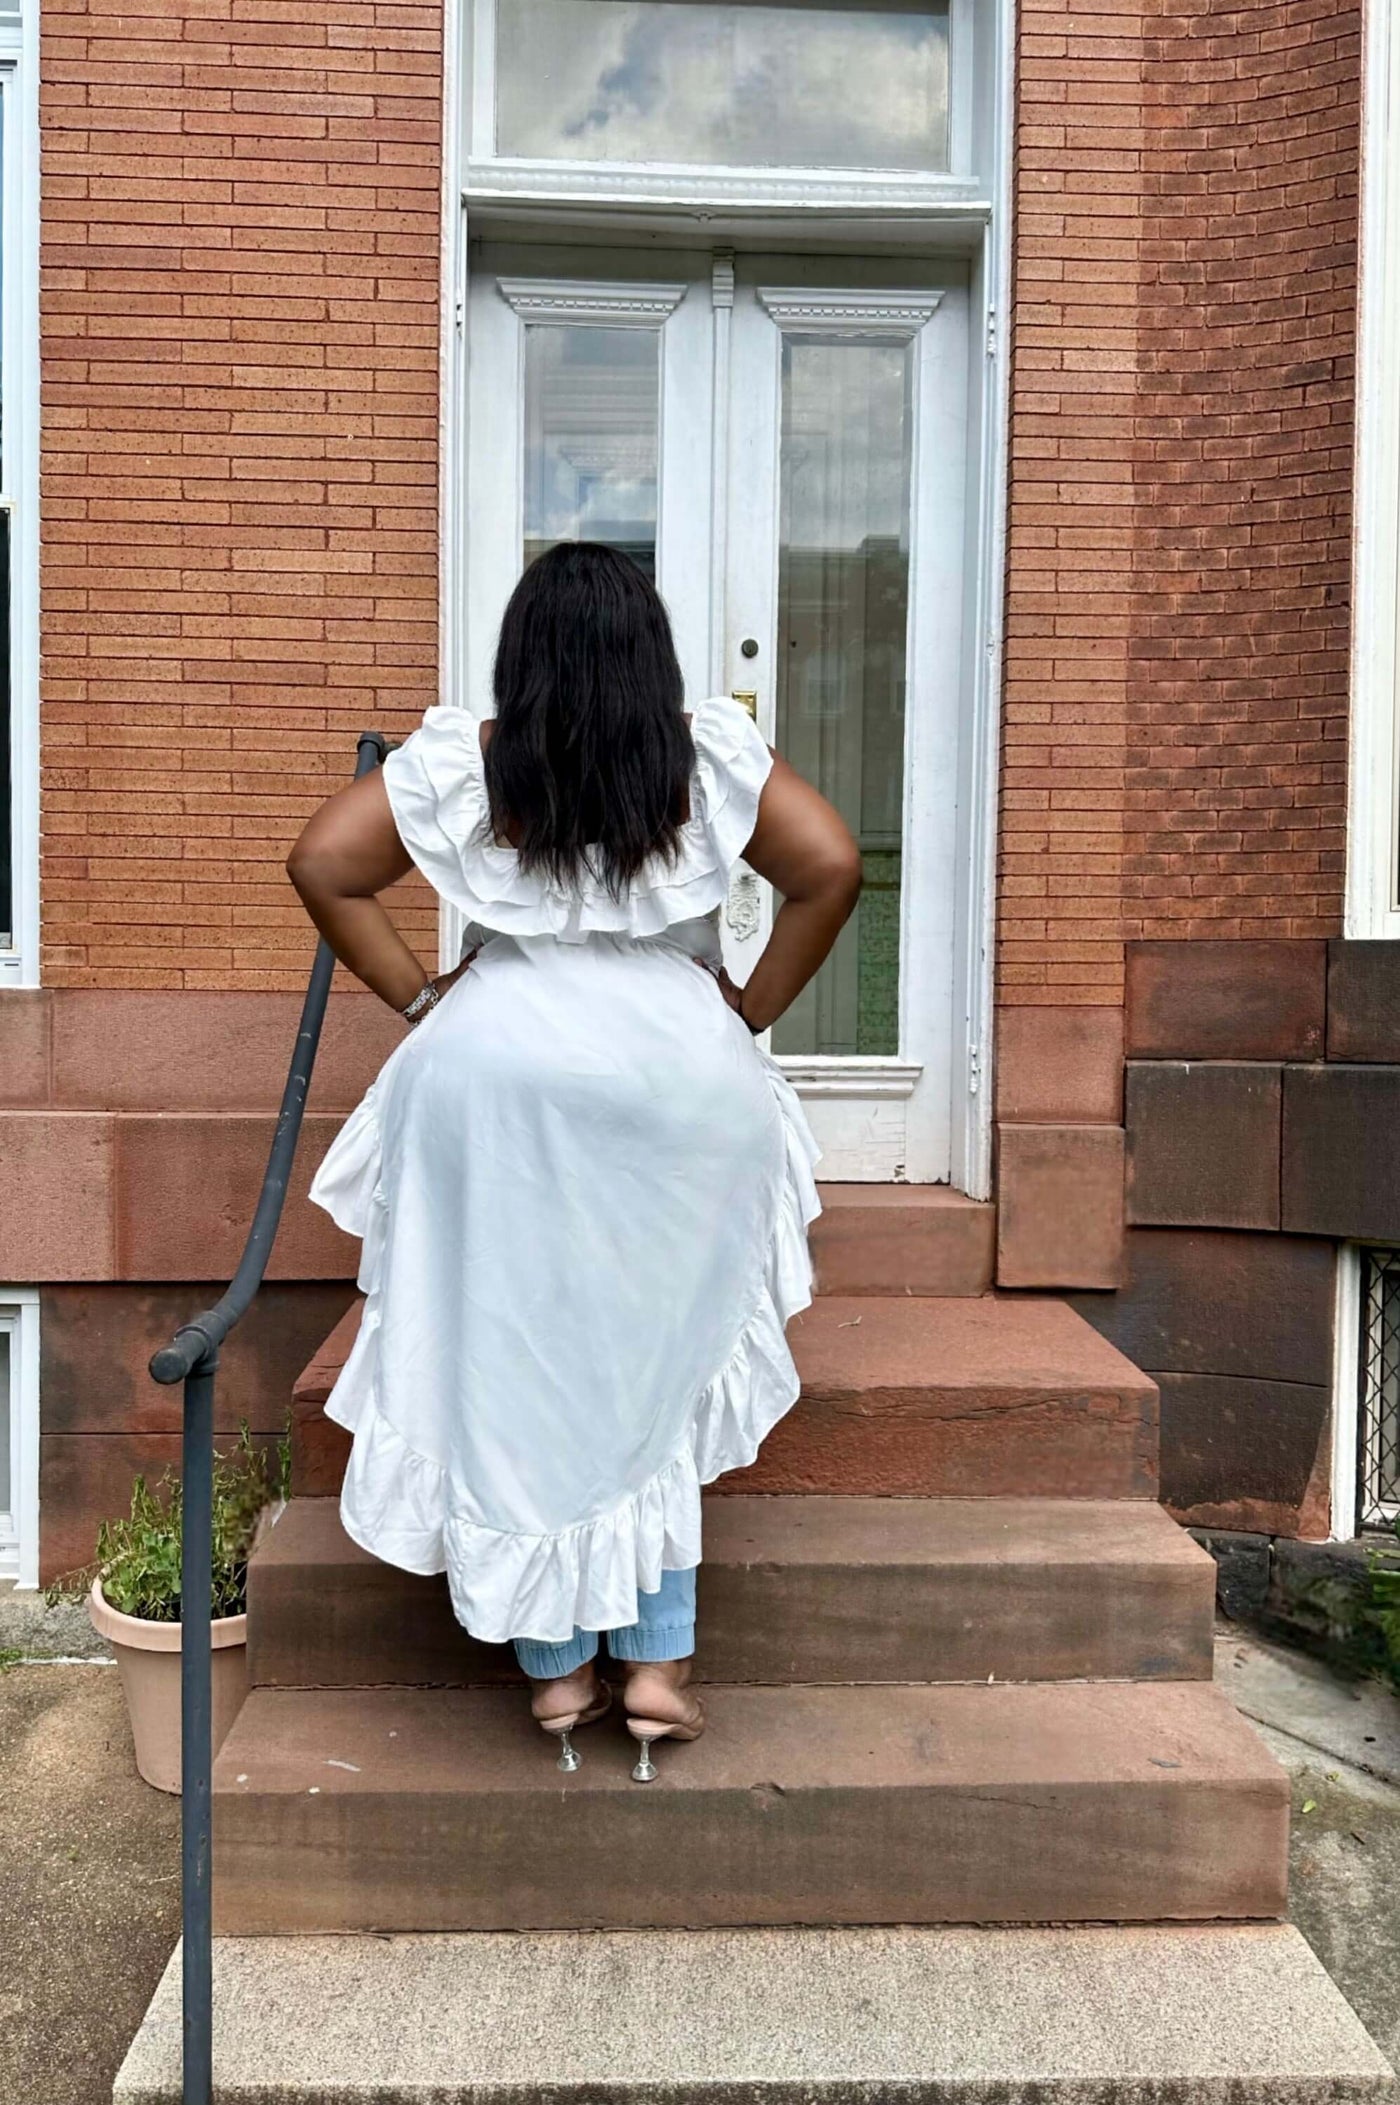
pixel 347 852
pixel 805 850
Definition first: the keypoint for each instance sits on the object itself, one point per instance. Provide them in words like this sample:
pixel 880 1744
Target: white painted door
pixel 781 441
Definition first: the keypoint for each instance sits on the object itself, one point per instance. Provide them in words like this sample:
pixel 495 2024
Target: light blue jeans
pixel 664 1629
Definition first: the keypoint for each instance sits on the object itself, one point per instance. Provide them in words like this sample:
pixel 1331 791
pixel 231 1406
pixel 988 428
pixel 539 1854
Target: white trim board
pixel 1373 815
pixel 19 360
pixel 19 1528
pixel 1346 1354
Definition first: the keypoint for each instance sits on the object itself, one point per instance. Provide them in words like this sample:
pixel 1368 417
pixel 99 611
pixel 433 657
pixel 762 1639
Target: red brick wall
pixel 1178 560
pixel 240 256
pixel 241 246
pixel 1238 663
pixel 1077 270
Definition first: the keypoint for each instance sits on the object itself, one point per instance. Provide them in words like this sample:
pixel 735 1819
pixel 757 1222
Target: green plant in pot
pixel 133 1593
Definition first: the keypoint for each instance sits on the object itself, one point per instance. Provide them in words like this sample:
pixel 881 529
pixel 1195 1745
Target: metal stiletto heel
pixel 645 1730
pixel 562 1728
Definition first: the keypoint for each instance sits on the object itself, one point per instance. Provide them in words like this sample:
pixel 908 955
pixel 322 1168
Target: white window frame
pixel 1373 818
pixel 968 206
pixel 1346 1356
pixel 489 174
pixel 19 492
pixel 19 1528
pixel 1348 1335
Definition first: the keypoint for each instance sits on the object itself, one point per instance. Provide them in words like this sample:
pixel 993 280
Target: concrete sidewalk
pixel 90 1886
pixel 91 1857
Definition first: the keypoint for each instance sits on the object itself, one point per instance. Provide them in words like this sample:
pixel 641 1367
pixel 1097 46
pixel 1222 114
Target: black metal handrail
pixel 192 1356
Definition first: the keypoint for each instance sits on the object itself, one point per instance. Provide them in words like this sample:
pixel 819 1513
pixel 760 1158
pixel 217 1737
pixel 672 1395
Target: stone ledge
pixel 1341 1151
pixel 1202 999
pixel 1224 2015
pixel 1363 1000
pixel 1203 1143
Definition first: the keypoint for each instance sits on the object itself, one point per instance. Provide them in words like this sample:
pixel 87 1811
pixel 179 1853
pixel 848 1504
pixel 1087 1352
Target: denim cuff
pixel 544 1662
pixel 653 1641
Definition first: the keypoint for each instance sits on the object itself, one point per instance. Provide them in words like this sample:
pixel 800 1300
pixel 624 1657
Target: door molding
pixel 969 214
pixel 816 1074
pixel 602 302
pixel 898 316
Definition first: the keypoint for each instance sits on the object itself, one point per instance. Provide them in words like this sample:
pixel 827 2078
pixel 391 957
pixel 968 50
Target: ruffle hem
pixel 397 1503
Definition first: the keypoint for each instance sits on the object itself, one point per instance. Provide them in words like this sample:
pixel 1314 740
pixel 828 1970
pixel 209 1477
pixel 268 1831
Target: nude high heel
pixel 562 1723
pixel 646 1725
pixel 648 1729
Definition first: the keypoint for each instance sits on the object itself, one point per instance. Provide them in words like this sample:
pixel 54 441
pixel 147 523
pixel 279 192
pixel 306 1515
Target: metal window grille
pixel 1378 1491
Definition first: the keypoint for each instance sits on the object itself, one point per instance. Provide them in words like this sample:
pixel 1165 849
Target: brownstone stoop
pixel 957 1664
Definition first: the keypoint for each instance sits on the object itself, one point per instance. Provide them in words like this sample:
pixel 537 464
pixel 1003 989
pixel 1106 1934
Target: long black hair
pixel 591 754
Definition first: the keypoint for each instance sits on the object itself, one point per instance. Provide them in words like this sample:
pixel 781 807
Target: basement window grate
pixel 1378 1491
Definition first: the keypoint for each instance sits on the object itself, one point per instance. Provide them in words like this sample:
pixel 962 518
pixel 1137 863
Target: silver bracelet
pixel 426 998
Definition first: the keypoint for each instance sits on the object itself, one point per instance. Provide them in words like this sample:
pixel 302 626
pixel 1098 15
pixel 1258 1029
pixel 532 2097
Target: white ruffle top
pixel 583 1193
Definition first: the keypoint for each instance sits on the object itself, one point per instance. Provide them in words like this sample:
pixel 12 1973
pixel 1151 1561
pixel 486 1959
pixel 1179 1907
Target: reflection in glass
pixel 592 404
pixel 843 606
pixel 691 81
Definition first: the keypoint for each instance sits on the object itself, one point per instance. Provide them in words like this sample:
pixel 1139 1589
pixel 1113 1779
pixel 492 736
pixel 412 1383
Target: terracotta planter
pixel 148 1657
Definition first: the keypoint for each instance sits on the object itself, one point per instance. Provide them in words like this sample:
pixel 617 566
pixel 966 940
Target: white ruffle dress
pixel 583 1192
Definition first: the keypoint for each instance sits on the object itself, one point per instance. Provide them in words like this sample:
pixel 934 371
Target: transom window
pixel 805 104
pixel 803 84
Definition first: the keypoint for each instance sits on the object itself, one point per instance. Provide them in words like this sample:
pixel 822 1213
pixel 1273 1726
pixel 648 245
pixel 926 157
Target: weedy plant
pixel 138 1557
pixel 1355 1620
pixel 1382 1608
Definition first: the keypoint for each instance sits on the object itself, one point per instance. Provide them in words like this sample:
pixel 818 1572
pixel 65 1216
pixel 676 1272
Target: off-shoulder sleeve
pixel 732 765
pixel 436 783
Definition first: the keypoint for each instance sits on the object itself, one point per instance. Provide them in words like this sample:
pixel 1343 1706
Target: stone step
pixel 1225 2015
pixel 1000 1396
pixel 904 1396
pixel 796 1589
pixel 903 1239
pixel 443 1809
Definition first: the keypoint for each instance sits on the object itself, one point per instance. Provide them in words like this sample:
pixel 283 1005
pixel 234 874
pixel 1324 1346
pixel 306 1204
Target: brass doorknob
pixel 747 698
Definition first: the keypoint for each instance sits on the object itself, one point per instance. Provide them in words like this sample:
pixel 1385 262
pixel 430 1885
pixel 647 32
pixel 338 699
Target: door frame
pixel 969 212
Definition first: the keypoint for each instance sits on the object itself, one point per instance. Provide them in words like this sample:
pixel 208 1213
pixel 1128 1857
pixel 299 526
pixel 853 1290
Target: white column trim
pixel 1346 1360
pixel 1373 816
pixel 19 352
pixel 722 314
pixel 462 78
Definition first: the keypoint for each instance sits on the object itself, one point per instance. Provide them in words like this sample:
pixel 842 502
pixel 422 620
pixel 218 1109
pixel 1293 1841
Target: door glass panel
pixel 843 605
pixel 808 85
pixel 592 405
